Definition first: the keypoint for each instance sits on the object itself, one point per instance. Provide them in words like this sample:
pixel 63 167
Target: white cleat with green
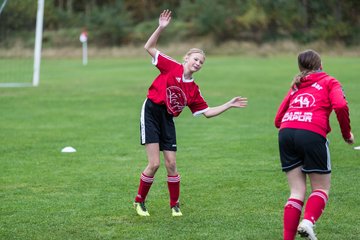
pixel 141 209
pixel 176 211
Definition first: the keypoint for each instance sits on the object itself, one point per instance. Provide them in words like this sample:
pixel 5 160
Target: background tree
pixel 119 22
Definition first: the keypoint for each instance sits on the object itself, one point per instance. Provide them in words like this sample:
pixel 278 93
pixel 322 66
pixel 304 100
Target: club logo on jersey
pixel 303 100
pixel 176 99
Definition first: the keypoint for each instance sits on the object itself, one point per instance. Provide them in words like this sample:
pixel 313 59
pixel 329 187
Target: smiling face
pixel 194 61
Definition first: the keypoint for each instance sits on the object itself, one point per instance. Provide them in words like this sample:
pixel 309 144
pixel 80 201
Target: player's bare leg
pixel 293 207
pixel 147 178
pixel 173 182
pixel 320 185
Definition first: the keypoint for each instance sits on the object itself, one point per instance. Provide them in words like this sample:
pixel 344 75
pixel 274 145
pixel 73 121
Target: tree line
pixel 120 22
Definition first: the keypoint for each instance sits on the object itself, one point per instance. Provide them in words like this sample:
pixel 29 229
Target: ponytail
pixel 295 83
pixel 309 62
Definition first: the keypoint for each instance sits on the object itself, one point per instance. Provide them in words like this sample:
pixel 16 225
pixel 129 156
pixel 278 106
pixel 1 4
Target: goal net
pixel 21 25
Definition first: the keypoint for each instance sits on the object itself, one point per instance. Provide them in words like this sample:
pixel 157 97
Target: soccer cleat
pixel 141 209
pixel 305 230
pixel 176 211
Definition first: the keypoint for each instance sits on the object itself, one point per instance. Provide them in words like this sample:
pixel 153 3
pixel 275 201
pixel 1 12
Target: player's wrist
pixel 161 27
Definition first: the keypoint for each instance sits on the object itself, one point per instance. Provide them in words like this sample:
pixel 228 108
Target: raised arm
pixel 237 102
pixel 164 21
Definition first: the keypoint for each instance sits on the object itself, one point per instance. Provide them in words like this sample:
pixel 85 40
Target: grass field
pixel 232 186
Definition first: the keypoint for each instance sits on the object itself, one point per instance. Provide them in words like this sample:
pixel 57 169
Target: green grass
pixel 16 70
pixel 232 186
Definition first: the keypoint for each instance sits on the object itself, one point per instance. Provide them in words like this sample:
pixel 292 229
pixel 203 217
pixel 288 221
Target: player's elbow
pixel 340 107
pixel 207 115
pixel 148 47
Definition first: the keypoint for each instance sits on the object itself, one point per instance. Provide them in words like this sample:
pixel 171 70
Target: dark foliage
pixel 117 22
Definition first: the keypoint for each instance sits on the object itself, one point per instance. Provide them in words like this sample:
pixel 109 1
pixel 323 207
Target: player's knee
pixel 170 166
pixel 154 166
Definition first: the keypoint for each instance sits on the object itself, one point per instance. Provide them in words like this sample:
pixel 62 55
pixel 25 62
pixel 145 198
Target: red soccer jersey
pixel 170 88
pixel 310 106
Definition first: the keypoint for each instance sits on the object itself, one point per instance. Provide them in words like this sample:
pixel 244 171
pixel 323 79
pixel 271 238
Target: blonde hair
pixel 194 50
pixel 309 61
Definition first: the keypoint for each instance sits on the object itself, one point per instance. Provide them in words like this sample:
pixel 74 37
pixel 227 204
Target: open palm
pixel 165 18
pixel 239 102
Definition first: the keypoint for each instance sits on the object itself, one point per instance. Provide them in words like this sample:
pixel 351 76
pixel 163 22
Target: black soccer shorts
pixel 304 148
pixel 157 126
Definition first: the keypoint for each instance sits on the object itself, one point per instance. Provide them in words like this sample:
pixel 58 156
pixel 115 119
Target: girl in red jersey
pixel 303 119
pixel 172 90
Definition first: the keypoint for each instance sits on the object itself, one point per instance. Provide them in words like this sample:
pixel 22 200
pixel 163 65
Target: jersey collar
pixel 187 80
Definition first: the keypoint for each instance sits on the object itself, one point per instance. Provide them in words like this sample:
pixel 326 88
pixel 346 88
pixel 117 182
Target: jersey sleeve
pixel 282 110
pixel 198 105
pixel 340 106
pixel 164 63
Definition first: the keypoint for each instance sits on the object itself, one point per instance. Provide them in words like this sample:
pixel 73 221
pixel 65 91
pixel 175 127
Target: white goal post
pixel 38 42
pixel 37 47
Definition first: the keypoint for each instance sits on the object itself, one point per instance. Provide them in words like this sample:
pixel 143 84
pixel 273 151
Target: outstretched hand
pixel 164 18
pixel 238 102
